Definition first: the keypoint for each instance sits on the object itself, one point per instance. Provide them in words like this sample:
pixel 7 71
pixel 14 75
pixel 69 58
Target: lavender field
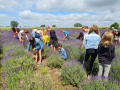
pixel 19 68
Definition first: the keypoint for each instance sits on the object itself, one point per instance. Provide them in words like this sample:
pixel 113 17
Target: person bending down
pixel 62 51
pixel 37 45
pixel 20 35
pixel 66 34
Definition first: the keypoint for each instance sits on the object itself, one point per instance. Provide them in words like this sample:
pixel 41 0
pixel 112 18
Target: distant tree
pixel 7 26
pixel 115 25
pixel 77 25
pixel 53 25
pixel 14 24
pixel 42 26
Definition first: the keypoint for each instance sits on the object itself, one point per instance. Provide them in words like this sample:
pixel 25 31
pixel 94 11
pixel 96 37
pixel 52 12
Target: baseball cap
pixel 37 35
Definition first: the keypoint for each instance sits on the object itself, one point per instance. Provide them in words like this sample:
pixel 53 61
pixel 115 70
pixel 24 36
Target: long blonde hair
pixel 95 29
pixel 108 36
pixel 27 32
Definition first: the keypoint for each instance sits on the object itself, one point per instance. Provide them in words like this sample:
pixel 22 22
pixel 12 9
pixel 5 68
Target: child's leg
pixel 93 56
pixel 40 56
pixel 36 55
pixel 48 43
pixel 52 46
pixel 14 34
pixel 106 70
pixel 54 49
pixel 87 55
pixel 100 70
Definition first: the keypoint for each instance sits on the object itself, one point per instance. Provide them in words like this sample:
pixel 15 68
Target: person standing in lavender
pixel 106 54
pixel 67 34
pixel 91 42
pixel 53 38
pixel 85 32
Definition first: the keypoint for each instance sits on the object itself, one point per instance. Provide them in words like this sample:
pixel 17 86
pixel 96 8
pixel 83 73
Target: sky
pixel 62 13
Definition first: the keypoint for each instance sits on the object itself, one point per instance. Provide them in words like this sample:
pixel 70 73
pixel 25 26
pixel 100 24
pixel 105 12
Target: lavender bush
pixel 97 84
pixel 35 82
pixel 18 64
pixel 72 72
pixel 55 61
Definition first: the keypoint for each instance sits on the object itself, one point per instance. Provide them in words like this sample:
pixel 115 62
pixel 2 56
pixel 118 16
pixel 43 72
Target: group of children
pixel 92 41
pixel 38 38
pixel 101 46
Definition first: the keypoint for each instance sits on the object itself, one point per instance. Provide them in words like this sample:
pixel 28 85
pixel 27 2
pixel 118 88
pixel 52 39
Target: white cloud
pixel 4 16
pixel 36 19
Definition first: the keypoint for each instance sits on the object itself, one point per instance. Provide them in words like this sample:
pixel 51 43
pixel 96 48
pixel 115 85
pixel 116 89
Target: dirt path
pixel 54 75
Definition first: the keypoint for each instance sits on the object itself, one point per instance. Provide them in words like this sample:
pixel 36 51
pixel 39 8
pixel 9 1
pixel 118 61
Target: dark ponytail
pixel 32 41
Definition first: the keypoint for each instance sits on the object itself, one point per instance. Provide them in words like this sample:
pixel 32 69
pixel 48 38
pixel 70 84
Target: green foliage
pixel 14 24
pixel 77 25
pixel 54 26
pixel 55 61
pixel 45 52
pixel 100 85
pixel 42 26
pixel 72 72
pixel 72 38
pixel 115 25
pixel 43 70
pixel 35 82
pixel 72 52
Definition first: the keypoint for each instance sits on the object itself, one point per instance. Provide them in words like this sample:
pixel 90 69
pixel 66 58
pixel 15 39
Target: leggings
pixel 105 68
pixel 93 54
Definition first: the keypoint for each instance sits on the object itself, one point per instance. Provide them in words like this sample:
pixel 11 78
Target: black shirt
pixel 106 54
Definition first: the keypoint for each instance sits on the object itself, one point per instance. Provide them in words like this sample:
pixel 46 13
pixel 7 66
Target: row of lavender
pixel 18 66
pixel 72 69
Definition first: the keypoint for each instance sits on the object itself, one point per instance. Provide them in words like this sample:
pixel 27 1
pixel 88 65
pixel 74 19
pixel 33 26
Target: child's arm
pixel 65 36
pixel 113 53
pixel 33 34
pixel 26 36
pixel 28 47
pixel 82 44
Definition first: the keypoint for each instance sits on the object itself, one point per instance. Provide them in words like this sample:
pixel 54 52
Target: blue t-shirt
pixel 66 32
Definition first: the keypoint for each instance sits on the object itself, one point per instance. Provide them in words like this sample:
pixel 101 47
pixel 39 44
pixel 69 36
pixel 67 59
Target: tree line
pixel 15 24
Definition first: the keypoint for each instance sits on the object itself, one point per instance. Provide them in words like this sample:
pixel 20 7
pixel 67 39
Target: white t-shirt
pixel 40 32
pixel 85 34
pixel 21 31
pixel 34 30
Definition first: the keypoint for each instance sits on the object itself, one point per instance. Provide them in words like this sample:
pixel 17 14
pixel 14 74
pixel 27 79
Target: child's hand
pixel 27 51
pixel 81 47
pixel 33 49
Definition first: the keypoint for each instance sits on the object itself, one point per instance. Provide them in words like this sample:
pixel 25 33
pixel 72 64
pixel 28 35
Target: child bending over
pixel 37 45
pixel 66 34
pixel 20 34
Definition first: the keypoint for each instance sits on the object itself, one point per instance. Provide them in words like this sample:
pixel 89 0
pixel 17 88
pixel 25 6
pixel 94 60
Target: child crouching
pixel 62 51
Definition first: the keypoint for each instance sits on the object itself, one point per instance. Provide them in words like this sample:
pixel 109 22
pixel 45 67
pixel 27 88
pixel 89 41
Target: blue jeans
pixel 48 43
pixel 67 36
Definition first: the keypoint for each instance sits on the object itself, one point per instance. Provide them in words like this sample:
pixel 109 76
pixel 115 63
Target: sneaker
pixel 88 77
pixel 39 64
pixel 35 62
